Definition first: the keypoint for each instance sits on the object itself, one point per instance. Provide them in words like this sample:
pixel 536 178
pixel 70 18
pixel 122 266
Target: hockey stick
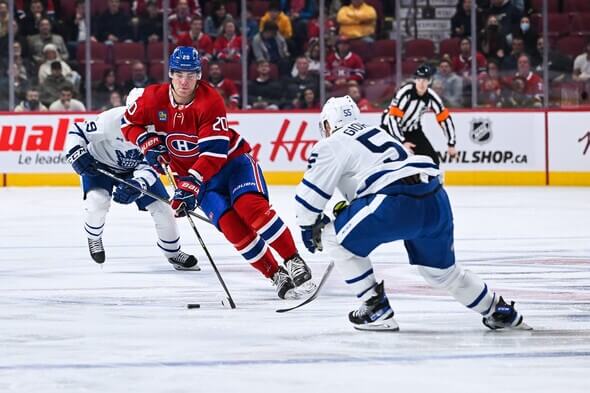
pixel 146 192
pixel 190 220
pixel 315 293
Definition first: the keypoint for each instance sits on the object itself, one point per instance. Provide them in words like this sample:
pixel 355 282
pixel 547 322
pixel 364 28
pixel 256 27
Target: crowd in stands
pixel 283 62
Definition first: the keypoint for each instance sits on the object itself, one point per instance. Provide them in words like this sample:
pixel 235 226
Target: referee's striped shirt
pixel 407 107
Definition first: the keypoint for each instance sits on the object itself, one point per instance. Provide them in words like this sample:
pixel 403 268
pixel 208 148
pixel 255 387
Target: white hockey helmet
pixel 133 95
pixel 338 111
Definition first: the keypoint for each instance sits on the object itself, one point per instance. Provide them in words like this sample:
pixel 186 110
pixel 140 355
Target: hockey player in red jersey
pixel 213 168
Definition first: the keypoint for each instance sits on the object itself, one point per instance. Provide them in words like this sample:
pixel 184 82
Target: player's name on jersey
pixel 42 159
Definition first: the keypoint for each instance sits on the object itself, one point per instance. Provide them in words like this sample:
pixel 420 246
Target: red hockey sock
pixel 256 212
pixel 252 247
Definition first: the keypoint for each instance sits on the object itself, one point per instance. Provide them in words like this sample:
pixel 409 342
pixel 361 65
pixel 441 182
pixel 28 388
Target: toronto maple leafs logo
pixel 129 158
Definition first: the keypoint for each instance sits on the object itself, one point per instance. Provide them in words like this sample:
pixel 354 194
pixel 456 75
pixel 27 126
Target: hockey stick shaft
pixel 146 192
pixel 232 304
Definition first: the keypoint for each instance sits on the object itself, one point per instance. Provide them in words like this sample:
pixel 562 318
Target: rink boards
pixel 495 147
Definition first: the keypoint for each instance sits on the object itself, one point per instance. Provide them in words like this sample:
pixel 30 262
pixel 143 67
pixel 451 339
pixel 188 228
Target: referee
pixel 403 118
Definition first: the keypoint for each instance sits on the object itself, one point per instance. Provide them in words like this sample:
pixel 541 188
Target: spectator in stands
pixel 461 21
pixel 50 54
pixel 270 45
pixel 354 91
pixel 343 65
pixel 67 102
pixel 76 29
pixel 139 6
pixel 357 20
pixel 533 82
pixel 139 77
pixel 21 83
pixel 560 65
pixel 228 46
pixel 197 39
pixel 308 99
pixel 516 97
pixel 180 20
pixel 283 22
pixel 304 79
pixel 115 100
pixel 263 92
pixel 31 102
pixel 150 26
pixel 113 25
pixel 251 24
pixel 50 89
pixel 29 25
pixel 25 66
pixel 490 85
pixel 509 63
pixel 528 34
pixel 462 62
pixel 508 15
pixel 3 18
pixel 214 23
pixel 227 86
pixel 451 83
pixel 38 41
pixel 582 66
pixel 300 12
pixel 492 43
pixel 107 85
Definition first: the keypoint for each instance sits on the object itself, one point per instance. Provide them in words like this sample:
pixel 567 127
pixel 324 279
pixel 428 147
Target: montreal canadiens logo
pixel 182 145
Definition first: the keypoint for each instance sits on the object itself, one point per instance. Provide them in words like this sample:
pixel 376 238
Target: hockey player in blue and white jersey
pixel 100 144
pixel 391 195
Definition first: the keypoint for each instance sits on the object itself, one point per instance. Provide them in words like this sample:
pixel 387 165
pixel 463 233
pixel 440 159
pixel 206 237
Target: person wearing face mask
pixel 31 103
pixel 528 34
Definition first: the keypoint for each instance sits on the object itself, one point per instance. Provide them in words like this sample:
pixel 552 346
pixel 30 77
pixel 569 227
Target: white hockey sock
pixel 463 285
pixel 96 207
pixel 357 271
pixel 166 228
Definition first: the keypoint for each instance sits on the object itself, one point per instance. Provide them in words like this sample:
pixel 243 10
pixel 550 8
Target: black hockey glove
pixel 312 234
pixel 82 162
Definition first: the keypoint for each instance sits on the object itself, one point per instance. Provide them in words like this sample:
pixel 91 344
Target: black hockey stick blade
pixel 315 293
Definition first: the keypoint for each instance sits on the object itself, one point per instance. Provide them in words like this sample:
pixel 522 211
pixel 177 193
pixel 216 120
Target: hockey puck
pixel 193 305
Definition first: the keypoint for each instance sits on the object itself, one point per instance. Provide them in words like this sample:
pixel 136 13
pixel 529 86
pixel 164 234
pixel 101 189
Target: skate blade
pixel 195 268
pixel 292 294
pixel 306 288
pixel 522 326
pixel 389 325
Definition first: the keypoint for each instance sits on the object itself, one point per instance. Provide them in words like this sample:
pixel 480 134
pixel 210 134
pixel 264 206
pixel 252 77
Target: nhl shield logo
pixel 481 131
pixel 162 116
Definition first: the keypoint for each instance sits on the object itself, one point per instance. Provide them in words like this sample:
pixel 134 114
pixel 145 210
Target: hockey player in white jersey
pixel 392 195
pixel 99 143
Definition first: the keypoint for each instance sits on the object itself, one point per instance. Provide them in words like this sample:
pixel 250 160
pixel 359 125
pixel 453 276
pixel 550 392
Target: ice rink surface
pixel 70 325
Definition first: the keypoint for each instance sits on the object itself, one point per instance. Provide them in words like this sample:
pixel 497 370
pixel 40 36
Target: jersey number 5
pixel 220 124
pixel 365 140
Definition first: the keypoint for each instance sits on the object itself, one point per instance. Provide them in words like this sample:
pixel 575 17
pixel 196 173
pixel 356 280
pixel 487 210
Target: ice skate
pixel 375 314
pixel 96 250
pixel 300 273
pixel 184 261
pixel 284 284
pixel 505 316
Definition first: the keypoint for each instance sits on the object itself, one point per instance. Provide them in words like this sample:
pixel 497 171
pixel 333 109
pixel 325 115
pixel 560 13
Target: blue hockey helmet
pixel 185 59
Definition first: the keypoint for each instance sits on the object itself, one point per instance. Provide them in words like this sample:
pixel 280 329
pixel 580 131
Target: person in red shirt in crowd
pixel 343 66
pixel 462 62
pixel 180 20
pixel 534 83
pixel 230 91
pixel 228 46
pixel 354 91
pixel 490 85
pixel 213 169
pixel 197 39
